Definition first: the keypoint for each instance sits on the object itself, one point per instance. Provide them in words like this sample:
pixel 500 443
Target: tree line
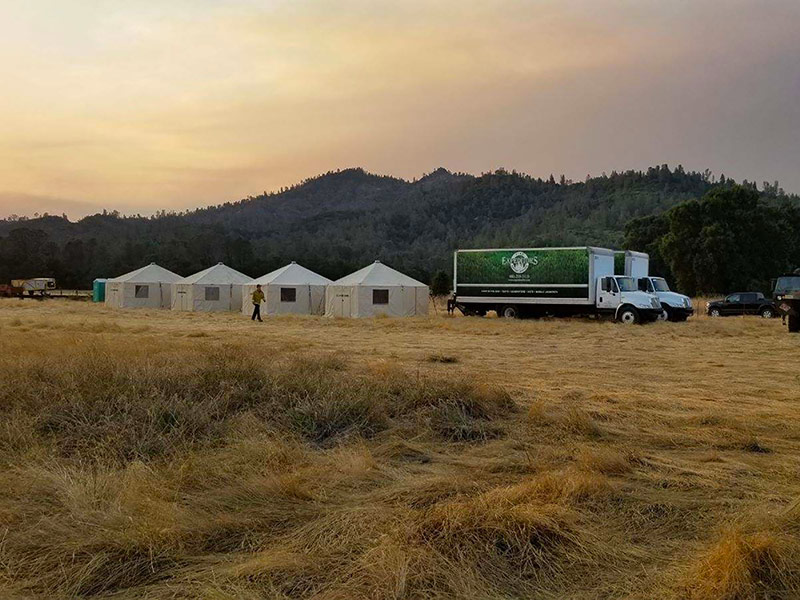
pixel 343 220
pixel 732 239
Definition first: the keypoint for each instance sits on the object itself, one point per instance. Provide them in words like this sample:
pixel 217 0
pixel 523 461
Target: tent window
pixel 380 296
pixel 141 291
pixel 212 294
pixel 288 294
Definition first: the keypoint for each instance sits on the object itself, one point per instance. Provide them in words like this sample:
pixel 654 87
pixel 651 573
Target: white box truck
pixel 536 282
pixel 677 307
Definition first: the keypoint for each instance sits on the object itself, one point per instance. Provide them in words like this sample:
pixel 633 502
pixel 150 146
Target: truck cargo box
pixel 631 263
pixel 531 275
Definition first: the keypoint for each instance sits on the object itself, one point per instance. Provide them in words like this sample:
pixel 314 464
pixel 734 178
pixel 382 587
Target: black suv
pixel 742 303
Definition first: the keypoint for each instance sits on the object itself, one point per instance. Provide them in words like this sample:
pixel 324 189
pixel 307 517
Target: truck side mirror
pixel 643 287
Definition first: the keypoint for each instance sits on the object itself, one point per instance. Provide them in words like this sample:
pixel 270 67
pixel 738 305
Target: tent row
pixel 374 290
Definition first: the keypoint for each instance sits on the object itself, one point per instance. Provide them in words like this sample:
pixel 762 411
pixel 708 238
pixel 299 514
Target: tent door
pixel 341 305
pixel 180 300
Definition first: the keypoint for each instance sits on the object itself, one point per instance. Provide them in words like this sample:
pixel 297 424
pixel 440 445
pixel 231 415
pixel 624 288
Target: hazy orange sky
pixel 148 104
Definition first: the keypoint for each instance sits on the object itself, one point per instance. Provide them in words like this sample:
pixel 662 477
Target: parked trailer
pixel 519 282
pixel 677 307
pixel 35 286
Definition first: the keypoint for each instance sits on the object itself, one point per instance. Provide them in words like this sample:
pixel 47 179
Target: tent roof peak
pixel 378 274
pixel 151 273
pixel 292 274
pixel 219 274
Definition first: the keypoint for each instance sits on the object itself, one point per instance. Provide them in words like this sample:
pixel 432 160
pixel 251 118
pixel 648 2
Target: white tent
pixel 218 288
pixel 148 287
pixel 376 290
pixel 290 289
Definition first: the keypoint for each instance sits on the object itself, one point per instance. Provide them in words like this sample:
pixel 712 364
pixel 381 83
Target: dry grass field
pixel 148 454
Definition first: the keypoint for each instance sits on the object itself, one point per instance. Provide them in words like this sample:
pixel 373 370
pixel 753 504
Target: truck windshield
pixel 660 285
pixel 627 284
pixel 787 284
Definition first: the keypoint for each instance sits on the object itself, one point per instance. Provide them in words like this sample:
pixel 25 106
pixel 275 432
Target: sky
pixel 172 104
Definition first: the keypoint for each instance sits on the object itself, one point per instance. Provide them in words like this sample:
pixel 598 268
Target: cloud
pixel 183 103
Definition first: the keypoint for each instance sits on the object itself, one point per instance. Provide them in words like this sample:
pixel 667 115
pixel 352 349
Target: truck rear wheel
pixel 793 322
pixel 628 315
pixel 509 312
pixel 767 312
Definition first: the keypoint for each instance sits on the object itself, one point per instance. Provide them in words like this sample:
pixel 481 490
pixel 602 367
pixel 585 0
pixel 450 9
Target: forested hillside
pixel 342 220
pixel 734 238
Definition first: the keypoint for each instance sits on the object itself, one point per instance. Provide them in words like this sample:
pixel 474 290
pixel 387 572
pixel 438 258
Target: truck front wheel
pixel 672 315
pixel 794 323
pixel 628 315
pixel 508 312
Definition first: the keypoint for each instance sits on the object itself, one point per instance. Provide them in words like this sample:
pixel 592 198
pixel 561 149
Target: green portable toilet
pixel 99 290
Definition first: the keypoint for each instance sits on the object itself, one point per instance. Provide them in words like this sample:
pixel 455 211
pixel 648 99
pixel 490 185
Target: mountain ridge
pixel 340 220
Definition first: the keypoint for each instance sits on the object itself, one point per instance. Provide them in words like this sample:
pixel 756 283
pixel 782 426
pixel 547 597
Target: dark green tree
pixel 23 254
pixel 440 283
pixel 644 235
pixel 729 240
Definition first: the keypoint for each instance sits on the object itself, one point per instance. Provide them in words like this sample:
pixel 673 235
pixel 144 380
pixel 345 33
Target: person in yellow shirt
pixel 258 298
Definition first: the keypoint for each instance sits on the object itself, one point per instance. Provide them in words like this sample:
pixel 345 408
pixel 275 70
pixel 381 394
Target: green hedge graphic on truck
pixel 560 272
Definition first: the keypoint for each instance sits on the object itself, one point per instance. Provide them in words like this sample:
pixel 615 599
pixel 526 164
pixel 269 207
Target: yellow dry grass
pixel 150 454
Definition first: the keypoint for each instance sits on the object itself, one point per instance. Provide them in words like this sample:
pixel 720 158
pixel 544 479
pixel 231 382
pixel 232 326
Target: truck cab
pixel 787 298
pixel 677 306
pixel 621 296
